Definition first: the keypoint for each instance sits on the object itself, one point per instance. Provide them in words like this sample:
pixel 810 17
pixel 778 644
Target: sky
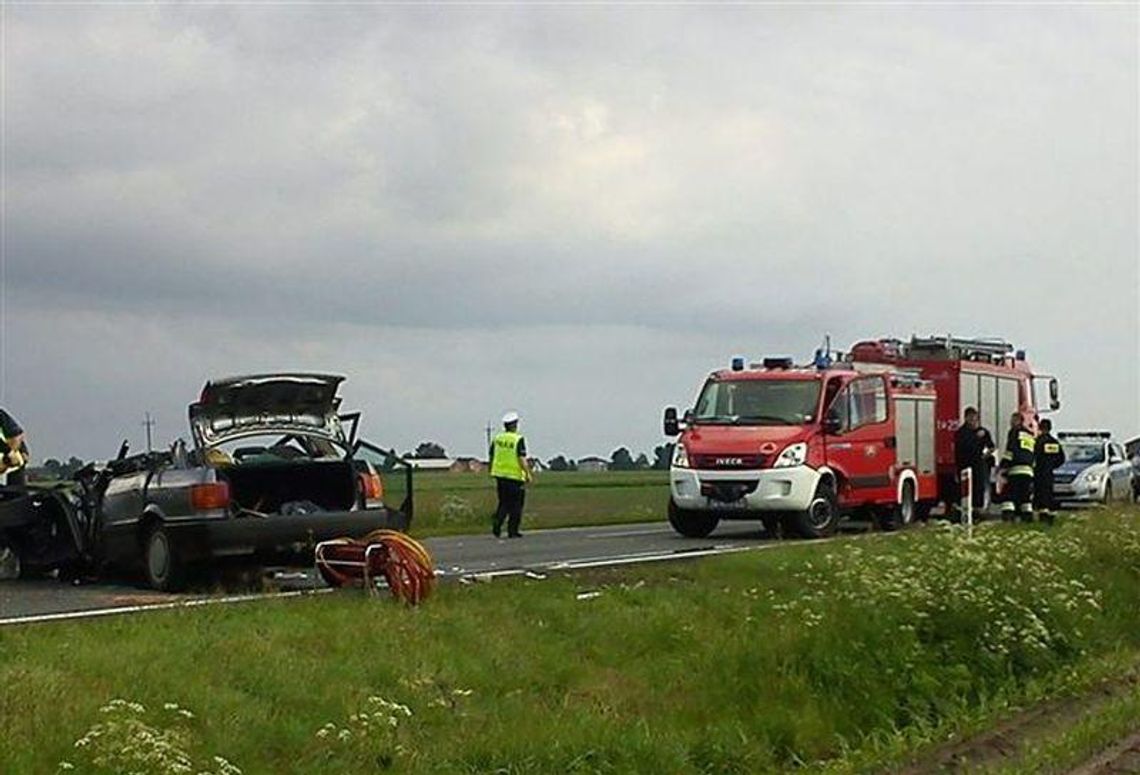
pixel 574 211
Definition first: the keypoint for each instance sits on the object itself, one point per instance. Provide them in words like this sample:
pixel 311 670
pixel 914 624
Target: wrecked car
pixel 271 471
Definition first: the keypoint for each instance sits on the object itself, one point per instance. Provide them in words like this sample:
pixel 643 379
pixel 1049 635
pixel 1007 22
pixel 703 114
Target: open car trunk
pixel 291 488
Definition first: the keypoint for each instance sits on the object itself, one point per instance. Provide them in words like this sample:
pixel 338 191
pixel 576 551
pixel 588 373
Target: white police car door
pixel 1119 472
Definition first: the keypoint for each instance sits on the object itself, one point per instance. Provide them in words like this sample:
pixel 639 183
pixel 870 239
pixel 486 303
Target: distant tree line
pixel 621 459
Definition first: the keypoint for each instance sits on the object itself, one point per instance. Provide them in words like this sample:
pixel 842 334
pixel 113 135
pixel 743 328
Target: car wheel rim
pixel 819 513
pixel 158 559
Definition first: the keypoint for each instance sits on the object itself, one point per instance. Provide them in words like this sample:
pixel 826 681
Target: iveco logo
pixel 730 461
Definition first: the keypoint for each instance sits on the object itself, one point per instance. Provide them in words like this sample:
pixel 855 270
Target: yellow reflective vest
pixel 505 462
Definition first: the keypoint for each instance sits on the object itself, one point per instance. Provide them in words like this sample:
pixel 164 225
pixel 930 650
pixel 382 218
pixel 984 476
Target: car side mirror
pixel 832 424
pixel 671 426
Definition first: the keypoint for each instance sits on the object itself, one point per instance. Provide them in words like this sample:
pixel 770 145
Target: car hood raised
pixel 267 403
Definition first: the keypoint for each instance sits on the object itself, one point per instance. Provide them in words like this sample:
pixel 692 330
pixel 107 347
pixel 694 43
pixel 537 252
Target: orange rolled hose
pixel 402 561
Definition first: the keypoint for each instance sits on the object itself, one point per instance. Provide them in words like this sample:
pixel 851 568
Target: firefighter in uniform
pixel 1017 465
pixel 14 450
pixel 973 445
pixel 511 471
pixel 1048 456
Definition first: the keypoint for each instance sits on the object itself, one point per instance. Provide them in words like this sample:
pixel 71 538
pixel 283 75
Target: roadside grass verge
pixel 845 656
pixel 457 503
pixel 1082 740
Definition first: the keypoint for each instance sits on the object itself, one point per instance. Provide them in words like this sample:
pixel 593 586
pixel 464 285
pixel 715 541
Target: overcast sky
pixel 572 211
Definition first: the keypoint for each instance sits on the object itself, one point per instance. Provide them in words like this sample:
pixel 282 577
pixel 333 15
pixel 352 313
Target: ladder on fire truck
pixel 957 348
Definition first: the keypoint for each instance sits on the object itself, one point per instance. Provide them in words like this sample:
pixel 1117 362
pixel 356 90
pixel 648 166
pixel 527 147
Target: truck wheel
pixel 821 518
pixel 164 568
pixel 903 513
pixel 691 524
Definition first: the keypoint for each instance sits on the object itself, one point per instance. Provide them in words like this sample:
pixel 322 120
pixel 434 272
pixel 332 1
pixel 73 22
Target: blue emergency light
pixel 738 363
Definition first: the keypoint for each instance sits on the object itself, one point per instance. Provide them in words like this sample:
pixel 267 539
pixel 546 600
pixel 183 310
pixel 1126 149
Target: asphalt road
pixel 472 556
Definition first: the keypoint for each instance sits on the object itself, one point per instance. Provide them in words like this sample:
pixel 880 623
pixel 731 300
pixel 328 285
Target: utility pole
pixel 149 423
pixel 489 429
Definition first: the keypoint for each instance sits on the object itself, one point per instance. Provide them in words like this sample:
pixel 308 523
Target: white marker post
pixel 966 478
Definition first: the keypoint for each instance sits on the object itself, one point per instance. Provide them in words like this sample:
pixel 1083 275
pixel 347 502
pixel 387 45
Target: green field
pixel 841 657
pixel 449 503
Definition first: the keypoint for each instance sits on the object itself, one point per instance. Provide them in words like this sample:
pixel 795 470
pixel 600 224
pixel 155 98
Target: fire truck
pixel 868 433
pixel 987 374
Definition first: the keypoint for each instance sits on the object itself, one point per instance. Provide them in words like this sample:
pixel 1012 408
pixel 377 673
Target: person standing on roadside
pixel 14 449
pixel 1017 465
pixel 511 472
pixel 973 446
pixel 1048 457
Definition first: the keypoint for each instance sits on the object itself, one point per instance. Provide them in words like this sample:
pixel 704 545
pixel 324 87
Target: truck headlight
pixel 680 456
pixel 793 455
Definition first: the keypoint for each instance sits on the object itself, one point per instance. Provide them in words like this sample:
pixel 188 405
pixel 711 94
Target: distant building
pixel 592 463
pixel 428 464
pixel 468 465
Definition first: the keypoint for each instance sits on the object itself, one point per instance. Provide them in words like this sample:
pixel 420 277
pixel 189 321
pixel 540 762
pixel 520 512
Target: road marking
pixel 630 533
pixel 131 609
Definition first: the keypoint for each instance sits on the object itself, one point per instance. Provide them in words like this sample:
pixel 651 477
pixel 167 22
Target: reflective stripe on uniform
pixel 1007 506
pixel 1026 508
pixel 1019 471
pixel 1026 441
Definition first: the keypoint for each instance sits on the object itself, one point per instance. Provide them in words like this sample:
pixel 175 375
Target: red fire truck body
pixel 801 446
pixel 872 433
pixel 985 374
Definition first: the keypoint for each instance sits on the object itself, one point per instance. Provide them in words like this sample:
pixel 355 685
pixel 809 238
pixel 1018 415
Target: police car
pixel 1095 469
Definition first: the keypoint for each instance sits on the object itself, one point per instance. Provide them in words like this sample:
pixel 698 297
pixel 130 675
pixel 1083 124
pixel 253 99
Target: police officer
pixel 14 450
pixel 511 471
pixel 972 447
pixel 1048 456
pixel 1017 465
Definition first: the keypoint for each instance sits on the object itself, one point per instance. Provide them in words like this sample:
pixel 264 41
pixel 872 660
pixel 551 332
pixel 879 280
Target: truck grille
pixel 728 462
pixel 727 492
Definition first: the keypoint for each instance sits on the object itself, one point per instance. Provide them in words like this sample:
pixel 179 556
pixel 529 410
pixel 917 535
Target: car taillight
pixel 209 497
pixel 371 486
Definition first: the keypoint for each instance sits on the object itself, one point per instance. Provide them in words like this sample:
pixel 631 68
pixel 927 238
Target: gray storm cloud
pixel 575 211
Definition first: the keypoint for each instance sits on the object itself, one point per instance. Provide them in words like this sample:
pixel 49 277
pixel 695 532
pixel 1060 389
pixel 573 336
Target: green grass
pixel 1081 739
pixel 448 504
pixel 841 656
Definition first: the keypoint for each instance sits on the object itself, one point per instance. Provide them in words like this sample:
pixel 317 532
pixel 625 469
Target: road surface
pixel 27 601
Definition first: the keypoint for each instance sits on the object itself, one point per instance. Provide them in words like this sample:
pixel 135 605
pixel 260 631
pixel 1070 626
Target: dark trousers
pixel 512 494
pixel 1018 496
pixel 1043 498
pixel 980 474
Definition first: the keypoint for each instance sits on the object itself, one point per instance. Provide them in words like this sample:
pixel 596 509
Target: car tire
pixel 691 524
pixel 821 518
pixel 162 562
pixel 902 513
